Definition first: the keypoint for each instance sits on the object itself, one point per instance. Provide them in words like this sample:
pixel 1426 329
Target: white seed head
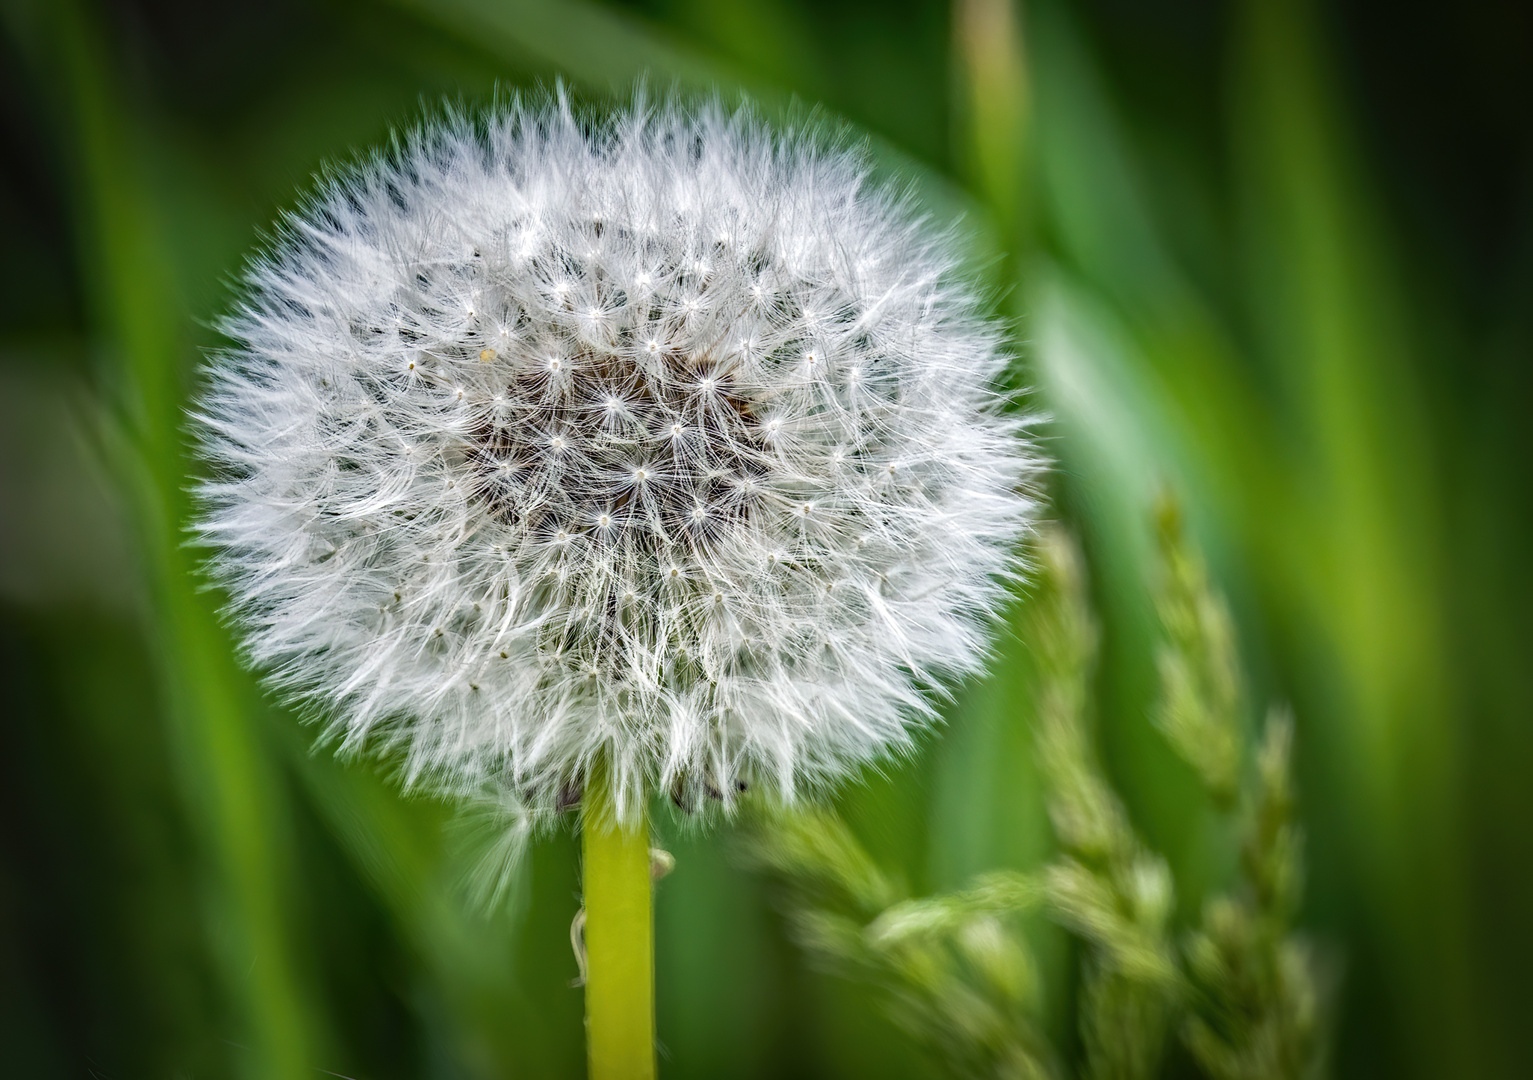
pixel 519 464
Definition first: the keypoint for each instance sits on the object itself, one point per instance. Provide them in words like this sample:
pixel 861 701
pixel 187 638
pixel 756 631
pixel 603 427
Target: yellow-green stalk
pixel 619 940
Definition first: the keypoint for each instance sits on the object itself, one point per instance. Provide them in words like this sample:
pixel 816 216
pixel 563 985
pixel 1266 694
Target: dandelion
pixel 658 452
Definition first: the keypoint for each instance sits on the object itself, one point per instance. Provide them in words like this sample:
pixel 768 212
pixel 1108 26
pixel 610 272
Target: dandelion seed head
pixel 659 438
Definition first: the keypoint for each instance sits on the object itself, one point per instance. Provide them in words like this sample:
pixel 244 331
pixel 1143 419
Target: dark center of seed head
pixel 661 465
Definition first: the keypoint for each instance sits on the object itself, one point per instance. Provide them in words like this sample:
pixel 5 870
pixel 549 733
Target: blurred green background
pixel 1273 255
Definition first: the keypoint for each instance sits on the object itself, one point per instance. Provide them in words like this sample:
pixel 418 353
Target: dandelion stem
pixel 619 940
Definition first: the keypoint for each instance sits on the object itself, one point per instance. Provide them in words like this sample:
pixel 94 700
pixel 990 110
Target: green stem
pixel 619 941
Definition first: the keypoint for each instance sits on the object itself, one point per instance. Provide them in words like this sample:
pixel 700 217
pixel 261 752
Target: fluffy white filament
pixel 660 437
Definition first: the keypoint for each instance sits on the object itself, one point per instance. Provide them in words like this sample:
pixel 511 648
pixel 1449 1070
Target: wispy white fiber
pixel 659 437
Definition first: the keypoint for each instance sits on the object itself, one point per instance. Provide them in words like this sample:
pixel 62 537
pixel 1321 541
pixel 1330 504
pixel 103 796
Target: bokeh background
pixel 1273 255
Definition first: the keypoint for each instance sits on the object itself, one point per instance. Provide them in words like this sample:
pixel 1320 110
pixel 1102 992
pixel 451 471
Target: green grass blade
pixel 226 775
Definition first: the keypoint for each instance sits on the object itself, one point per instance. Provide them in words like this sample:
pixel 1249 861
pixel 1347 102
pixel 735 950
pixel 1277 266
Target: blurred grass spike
pixel 999 893
pixel 1201 693
pixel 1256 983
pixel 1087 816
pixel 952 971
pixel 1272 855
pixel 815 849
pixel 1106 887
pixel 1241 990
pixel 1255 988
